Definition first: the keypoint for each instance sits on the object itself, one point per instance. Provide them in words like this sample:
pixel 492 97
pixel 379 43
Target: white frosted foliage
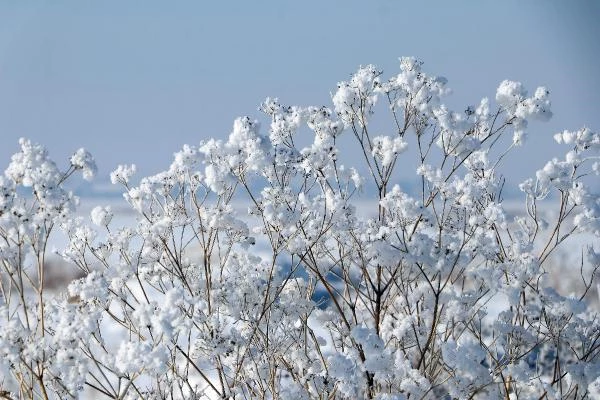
pixel 271 264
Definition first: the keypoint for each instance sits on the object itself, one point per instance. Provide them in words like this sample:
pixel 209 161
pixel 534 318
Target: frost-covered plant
pixel 251 273
pixel 34 351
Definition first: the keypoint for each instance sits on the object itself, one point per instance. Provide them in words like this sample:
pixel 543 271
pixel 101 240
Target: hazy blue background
pixel 132 81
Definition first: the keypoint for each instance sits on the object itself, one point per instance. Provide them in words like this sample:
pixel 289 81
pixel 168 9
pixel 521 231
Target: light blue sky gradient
pixel 132 81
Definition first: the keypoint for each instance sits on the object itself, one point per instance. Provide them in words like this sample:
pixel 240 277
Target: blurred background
pixel 132 81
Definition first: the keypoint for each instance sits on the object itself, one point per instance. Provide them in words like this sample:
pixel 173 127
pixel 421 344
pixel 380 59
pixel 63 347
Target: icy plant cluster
pixel 250 272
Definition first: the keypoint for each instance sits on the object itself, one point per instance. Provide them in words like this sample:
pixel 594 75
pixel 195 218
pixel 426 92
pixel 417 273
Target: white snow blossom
pixel 83 160
pixel 101 216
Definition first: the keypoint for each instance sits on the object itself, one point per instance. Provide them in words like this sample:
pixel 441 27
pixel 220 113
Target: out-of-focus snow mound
pixel 566 269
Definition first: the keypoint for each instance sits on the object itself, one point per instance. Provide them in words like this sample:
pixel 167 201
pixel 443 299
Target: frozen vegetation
pixel 261 266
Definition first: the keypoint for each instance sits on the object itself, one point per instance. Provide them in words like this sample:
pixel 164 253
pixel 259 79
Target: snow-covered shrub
pixel 250 272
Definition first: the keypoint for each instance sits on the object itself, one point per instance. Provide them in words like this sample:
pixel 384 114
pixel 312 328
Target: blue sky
pixel 132 81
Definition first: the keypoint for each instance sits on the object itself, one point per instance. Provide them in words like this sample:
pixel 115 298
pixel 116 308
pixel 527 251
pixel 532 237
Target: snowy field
pixel 564 267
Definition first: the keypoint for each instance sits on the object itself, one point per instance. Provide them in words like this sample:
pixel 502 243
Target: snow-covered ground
pixel 563 267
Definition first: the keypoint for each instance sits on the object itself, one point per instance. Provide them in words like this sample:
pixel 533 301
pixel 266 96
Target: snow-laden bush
pixel 389 303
